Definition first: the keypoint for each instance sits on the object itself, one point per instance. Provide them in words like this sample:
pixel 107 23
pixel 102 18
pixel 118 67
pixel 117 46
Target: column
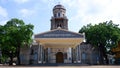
pixel 79 57
pixel 41 54
pixel 73 55
pixel 38 53
pixel 49 55
pixel 45 56
pixel 76 54
pixel 70 55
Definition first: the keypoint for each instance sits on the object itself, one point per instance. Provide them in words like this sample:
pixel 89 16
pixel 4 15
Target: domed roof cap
pixel 59 6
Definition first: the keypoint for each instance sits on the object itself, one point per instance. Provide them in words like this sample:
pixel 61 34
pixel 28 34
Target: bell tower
pixel 59 18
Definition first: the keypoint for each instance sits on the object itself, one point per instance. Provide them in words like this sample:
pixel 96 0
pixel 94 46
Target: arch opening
pixel 59 57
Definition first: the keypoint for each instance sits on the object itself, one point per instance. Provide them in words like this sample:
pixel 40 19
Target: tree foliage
pixel 104 36
pixel 15 34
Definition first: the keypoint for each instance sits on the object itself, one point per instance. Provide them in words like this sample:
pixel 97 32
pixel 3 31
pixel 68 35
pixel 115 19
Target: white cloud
pixel 26 12
pixel 3 12
pixel 3 22
pixel 21 1
pixel 94 11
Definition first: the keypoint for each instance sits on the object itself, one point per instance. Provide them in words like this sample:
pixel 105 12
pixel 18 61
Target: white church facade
pixel 59 45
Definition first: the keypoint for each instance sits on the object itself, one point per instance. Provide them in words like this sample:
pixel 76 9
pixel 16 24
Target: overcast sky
pixel 79 12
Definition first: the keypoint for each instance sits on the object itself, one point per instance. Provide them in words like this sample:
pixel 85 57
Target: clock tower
pixel 59 18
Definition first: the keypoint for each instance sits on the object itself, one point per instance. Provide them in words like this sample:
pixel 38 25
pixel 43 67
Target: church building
pixel 59 45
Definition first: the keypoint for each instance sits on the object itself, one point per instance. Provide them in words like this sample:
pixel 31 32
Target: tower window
pixel 59 25
pixel 55 15
pixel 58 14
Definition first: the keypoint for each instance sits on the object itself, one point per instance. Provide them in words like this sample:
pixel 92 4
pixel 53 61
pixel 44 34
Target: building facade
pixel 59 45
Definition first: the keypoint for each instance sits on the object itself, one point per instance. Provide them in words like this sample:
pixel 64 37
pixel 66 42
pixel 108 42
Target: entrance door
pixel 59 57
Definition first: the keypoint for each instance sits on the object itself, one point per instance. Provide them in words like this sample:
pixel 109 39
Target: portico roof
pixel 60 37
pixel 59 33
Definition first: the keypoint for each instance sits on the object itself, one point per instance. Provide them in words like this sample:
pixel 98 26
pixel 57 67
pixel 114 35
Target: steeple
pixel 59 18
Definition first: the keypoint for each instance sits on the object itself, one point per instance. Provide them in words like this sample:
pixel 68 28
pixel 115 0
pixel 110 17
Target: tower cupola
pixel 59 11
pixel 59 18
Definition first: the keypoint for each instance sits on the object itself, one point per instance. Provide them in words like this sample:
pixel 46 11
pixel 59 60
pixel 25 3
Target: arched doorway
pixel 59 57
pixel 84 56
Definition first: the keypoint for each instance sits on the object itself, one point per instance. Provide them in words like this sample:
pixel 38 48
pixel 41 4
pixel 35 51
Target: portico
pixel 59 45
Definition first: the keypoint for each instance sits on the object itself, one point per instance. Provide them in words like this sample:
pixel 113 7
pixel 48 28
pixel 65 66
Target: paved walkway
pixel 60 67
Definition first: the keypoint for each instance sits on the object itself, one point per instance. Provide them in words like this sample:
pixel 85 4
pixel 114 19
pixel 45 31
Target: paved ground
pixel 60 67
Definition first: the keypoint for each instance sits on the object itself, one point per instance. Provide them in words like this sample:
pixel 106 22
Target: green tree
pixel 1 39
pixel 104 36
pixel 16 34
pixel 4 42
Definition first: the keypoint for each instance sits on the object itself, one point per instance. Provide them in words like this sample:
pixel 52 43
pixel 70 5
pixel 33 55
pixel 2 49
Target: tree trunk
pixel 18 54
pixel 11 59
pixel 105 56
pixel 101 55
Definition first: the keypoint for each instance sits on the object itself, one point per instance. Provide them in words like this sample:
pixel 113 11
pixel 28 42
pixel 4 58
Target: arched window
pixel 54 15
pixel 58 14
pixel 84 57
pixel 63 15
pixel 59 25
pixel 35 56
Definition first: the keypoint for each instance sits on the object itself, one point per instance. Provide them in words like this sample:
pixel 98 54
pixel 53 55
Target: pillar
pixel 73 55
pixel 40 54
pixel 69 57
pixel 49 55
pixel 79 54
pixel 45 55
pixel 76 54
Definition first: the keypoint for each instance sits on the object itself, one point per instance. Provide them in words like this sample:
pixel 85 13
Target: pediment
pixel 59 33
